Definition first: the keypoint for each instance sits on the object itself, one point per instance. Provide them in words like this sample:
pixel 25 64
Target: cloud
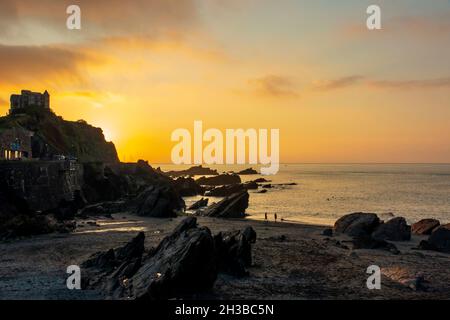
pixel 273 86
pixel 99 17
pixel 22 64
pixel 327 85
pixel 410 84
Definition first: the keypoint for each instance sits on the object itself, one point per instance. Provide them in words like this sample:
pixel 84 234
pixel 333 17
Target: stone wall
pixel 42 183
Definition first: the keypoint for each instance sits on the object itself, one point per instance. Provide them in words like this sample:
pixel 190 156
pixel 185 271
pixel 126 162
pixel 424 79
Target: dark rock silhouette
pixel 233 206
pixel 439 240
pixel 185 263
pixel 203 202
pixel 425 226
pixel 158 201
pixel 357 224
pixel 219 180
pixel 187 187
pixel 248 171
pixel 395 229
pixel 193 171
pixel 225 191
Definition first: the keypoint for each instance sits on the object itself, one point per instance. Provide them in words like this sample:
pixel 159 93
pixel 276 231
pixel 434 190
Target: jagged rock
pixel 203 202
pixel 262 191
pixel 425 226
pixel 395 229
pixel 251 185
pixel 267 186
pixel 233 206
pixel 158 201
pixel 234 250
pixel 261 180
pixel 103 209
pixel 187 187
pixel 219 180
pixel 367 242
pixel 439 240
pixel 193 171
pixel 225 191
pixel 248 171
pixel 183 263
pixel 357 224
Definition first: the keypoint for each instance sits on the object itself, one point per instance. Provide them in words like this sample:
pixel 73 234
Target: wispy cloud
pixel 410 84
pixel 273 86
pixel 328 85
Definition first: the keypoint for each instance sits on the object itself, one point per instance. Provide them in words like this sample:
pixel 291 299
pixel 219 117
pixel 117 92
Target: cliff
pixel 55 136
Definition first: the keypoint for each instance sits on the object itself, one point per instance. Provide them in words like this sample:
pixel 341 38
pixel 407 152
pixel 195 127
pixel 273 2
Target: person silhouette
pixel 275 216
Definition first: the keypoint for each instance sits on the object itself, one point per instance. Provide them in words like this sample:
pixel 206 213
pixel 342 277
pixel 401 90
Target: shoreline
pixel 291 261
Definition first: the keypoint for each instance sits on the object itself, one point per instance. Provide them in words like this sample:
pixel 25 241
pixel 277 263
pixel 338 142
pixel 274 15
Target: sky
pixel 140 69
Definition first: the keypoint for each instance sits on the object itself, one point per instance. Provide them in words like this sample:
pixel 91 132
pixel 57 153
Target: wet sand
pixel 305 265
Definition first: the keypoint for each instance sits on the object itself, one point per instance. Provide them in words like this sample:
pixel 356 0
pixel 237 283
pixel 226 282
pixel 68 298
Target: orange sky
pixel 337 92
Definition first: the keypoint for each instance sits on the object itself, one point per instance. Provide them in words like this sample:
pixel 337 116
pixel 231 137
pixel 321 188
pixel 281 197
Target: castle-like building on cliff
pixel 29 99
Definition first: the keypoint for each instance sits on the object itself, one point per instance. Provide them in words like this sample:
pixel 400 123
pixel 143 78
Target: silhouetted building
pixel 29 99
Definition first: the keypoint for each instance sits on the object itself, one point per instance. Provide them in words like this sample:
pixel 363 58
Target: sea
pixel 325 192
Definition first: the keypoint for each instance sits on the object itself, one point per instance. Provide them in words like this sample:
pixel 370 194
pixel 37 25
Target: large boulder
pixel 158 201
pixel 439 240
pixel 233 206
pixel 395 229
pixel 219 180
pixel 187 187
pixel 425 226
pixel 225 191
pixel 358 224
pixel 203 202
pixel 248 171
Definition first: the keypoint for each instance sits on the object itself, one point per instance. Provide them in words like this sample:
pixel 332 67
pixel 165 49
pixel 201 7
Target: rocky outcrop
pixel 203 202
pixel 219 180
pixel 251 185
pixel 439 240
pixel 103 209
pixel 225 191
pixel 158 201
pixel 193 171
pixel 357 224
pixel 247 171
pixel 187 187
pixel 185 263
pixel 233 206
pixel 395 229
pixel 425 226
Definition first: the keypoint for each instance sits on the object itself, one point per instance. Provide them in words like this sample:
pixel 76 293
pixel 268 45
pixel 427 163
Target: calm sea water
pixel 325 192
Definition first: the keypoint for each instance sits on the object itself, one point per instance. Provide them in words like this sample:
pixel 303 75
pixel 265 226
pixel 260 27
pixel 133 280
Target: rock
pixel 225 191
pixel 262 191
pixel 103 209
pixel 395 229
pixel 327 232
pixel 158 201
pixel 367 242
pixel 234 251
pixel 251 185
pixel 186 262
pixel 193 171
pixel 425 226
pixel 187 187
pixel 357 224
pixel 267 186
pixel 233 206
pixel 183 263
pixel 261 180
pixel 219 180
pixel 203 202
pixel 439 240
pixel 248 171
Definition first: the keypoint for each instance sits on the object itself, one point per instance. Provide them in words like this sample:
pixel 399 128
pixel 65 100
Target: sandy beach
pixel 290 261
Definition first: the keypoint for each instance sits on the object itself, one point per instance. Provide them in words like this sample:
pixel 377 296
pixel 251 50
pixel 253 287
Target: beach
pixel 290 261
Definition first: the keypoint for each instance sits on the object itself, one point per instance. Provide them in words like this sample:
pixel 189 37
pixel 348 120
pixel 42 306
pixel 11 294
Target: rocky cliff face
pixel 55 136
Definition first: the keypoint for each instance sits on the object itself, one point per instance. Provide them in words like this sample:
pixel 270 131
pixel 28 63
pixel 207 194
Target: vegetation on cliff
pixel 55 136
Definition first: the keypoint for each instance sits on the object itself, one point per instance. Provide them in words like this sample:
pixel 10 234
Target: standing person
pixel 275 216
pixel 265 216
